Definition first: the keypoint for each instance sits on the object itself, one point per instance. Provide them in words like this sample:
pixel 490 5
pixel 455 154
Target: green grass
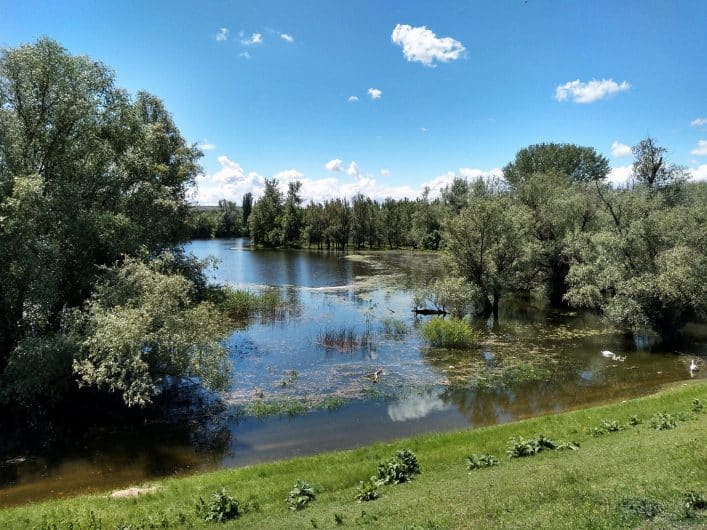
pixel 449 333
pixel 616 481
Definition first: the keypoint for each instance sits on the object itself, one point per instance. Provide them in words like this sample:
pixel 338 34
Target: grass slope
pixel 554 489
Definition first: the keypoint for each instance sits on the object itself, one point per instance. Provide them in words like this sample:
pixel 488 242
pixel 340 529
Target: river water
pixel 537 361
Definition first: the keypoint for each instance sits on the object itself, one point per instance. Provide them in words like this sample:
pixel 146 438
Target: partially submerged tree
pixel 646 267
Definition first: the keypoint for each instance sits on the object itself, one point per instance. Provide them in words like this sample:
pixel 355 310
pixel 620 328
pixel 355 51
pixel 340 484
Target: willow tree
pixel 645 268
pixel 556 183
pixel 88 175
pixel 487 244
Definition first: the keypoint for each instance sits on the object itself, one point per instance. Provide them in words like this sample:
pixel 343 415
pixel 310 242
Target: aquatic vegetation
pixel 221 507
pixel 481 461
pixel 240 305
pixel 394 328
pixel 278 407
pixel 401 468
pixel 345 339
pixel 449 333
pixel 367 491
pixel 300 496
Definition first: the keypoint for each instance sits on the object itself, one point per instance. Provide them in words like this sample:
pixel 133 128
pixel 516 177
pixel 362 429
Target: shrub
pixel 300 495
pixel 367 491
pixel 401 468
pixel 693 500
pixel 449 333
pixel 606 426
pixel 663 421
pixel 222 507
pixel 520 447
pixel 634 420
pixel 480 461
pixel 697 405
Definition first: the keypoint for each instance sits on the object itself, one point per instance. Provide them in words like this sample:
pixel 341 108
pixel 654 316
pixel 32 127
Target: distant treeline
pixel 637 252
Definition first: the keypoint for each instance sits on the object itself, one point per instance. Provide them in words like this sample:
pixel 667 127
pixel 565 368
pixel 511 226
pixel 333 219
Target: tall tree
pixel 247 207
pixel 266 216
pixel 292 214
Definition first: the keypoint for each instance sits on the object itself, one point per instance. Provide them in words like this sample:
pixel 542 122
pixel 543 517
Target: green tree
pixel 246 207
pixel 292 214
pixel 265 218
pixel 556 183
pixel 645 267
pixel 89 176
pixel 487 244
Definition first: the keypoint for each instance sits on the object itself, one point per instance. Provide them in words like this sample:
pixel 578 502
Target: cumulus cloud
pixel 287 37
pixel 618 150
pixel 334 165
pixel 245 55
pixel 353 170
pixel 699 173
pixel 222 34
pixel 375 93
pixel 231 182
pixel 620 176
pixel 385 172
pixel 205 145
pixel 701 149
pixel 352 99
pixel 699 122
pixel 421 45
pixel 594 90
pixel 255 38
pixel 423 129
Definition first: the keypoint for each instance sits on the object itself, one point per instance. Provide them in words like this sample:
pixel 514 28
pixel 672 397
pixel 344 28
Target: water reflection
pixel 415 407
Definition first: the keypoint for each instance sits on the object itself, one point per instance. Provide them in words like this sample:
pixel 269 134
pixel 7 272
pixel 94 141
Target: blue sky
pixel 264 86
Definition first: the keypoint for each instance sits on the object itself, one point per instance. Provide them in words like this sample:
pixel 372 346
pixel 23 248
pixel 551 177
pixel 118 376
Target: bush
pixel 697 405
pixel 634 420
pixel 662 421
pixel 300 496
pixel 402 468
pixel 520 447
pixel 480 461
pixel 367 491
pixel 606 426
pixel 449 333
pixel 222 507
pixel 693 500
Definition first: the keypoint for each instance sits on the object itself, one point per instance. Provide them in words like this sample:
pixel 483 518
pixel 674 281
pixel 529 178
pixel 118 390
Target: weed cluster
pixel 401 468
pixel 300 496
pixel 480 461
pixel 520 447
pixel 367 491
pixel 662 421
pixel 345 340
pixel 221 507
pixel 608 426
pixel 643 507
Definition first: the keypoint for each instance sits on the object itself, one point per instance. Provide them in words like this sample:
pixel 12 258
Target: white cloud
pixel 594 90
pixel 698 122
pixel 620 175
pixel 222 34
pixel 421 45
pixel 255 38
pixel 335 165
pixel 288 175
pixel 205 145
pixel 230 171
pixel 699 173
pixel 375 93
pixel 424 129
pixel 701 149
pixel 352 98
pixel 618 150
pixel 287 37
pixel 474 174
pixel 245 55
pixel 385 172
pixel 353 170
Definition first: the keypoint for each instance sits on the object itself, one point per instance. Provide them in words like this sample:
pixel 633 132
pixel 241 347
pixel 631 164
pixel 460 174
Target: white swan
pixel 693 366
pixel 613 356
pixel 607 353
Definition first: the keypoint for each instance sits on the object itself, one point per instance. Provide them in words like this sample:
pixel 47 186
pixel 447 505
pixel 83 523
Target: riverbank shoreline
pixel 555 489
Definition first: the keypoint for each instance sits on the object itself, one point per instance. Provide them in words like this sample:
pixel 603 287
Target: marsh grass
pixel 449 333
pixel 346 340
pixel 241 305
pixel 556 490
pixel 394 328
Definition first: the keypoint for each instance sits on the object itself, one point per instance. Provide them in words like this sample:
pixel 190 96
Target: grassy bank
pixel 614 480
